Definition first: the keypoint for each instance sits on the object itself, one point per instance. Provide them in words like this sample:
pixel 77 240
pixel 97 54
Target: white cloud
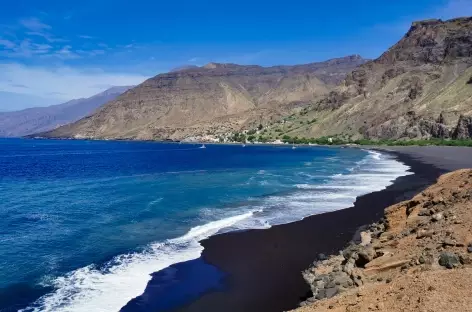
pixel 86 37
pixel 25 49
pixel 63 83
pixel 34 24
pixel 66 53
pixel 7 44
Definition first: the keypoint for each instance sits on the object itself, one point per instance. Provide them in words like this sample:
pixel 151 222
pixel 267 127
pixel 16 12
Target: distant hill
pixel 39 119
pixel 184 67
pixel 215 98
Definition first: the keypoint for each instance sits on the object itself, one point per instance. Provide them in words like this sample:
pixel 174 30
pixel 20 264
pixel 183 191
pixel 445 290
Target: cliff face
pixel 419 88
pixel 211 99
pixel 37 119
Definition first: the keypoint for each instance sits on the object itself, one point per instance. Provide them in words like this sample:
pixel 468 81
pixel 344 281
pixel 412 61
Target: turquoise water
pixel 83 224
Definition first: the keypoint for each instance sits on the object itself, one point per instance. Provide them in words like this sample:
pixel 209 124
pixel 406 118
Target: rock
pixel 358 282
pixel 322 257
pixel 366 238
pixel 465 259
pixel 349 266
pixel 321 294
pixel 437 217
pixel 424 212
pixel 388 280
pixel 365 255
pixel 424 233
pixel 448 242
pixel 469 249
pixel 331 292
pixel 464 128
pixel 311 299
pixel 449 260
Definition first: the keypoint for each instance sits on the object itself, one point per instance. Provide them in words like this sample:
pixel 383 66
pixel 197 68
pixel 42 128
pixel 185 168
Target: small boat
pixel 244 145
pixel 294 147
pixel 203 146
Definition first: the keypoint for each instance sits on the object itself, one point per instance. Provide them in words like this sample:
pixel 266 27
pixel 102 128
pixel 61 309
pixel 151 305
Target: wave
pixel 110 287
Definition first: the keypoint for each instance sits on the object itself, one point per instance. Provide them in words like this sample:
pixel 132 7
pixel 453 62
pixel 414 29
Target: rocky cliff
pixel 214 99
pixel 419 88
pixel 418 258
pixel 37 119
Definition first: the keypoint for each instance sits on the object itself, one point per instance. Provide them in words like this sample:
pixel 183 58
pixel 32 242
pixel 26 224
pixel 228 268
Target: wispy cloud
pixel 25 49
pixel 34 24
pixel 64 82
pixel 66 53
pixel 86 37
pixel 35 27
pixel 7 44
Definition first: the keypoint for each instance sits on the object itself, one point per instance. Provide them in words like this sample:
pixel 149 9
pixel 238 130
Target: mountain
pixel 184 67
pixel 39 119
pixel 420 88
pixel 216 98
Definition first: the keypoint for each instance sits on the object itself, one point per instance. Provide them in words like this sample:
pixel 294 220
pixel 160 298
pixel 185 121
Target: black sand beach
pixel 264 265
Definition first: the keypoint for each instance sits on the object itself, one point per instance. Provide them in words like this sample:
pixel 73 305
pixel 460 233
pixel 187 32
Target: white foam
pixel 126 276
pixel 373 173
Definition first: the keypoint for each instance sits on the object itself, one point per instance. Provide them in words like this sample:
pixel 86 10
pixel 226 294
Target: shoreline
pixel 261 269
pixel 264 267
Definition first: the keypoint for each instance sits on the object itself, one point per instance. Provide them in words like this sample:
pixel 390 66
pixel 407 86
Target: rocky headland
pixel 417 258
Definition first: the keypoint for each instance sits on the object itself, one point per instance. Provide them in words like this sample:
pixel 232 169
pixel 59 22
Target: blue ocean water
pixel 84 224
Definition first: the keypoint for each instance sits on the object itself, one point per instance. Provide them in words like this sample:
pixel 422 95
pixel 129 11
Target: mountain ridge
pixel 36 119
pixel 418 89
pixel 214 99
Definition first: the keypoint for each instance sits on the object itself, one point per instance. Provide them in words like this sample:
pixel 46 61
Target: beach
pixel 264 267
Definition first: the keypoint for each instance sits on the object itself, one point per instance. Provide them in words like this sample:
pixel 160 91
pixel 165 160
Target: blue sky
pixel 54 51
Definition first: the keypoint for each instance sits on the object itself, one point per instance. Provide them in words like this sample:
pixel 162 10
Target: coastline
pixel 262 268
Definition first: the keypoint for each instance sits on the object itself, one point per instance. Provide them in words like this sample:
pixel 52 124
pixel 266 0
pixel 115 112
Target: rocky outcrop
pixel 417 239
pixel 464 128
pixel 402 93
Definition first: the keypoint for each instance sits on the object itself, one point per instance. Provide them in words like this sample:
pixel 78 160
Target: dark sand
pixel 264 266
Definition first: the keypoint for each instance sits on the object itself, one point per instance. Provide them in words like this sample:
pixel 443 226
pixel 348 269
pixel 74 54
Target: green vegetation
pixel 337 140
pixel 239 137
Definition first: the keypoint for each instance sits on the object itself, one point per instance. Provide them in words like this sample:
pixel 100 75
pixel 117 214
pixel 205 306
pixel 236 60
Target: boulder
pixel 449 260
pixel 366 238
pixel 365 255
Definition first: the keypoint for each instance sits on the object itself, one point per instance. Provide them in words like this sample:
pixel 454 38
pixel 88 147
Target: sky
pixel 54 51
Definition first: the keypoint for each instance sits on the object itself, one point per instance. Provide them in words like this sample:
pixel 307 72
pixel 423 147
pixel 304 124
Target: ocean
pixel 84 224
